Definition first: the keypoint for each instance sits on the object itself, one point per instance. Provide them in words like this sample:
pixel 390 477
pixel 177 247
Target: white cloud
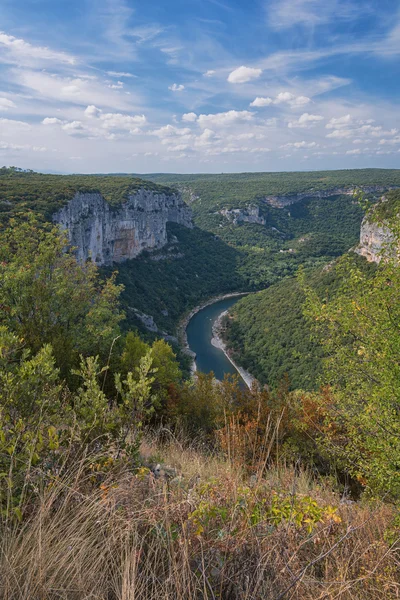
pixel 119 121
pixel 305 120
pixel 391 142
pixel 81 91
pixel 11 124
pixel 73 126
pixel 206 137
pixel 92 111
pixel 18 147
pixel 189 117
pixel 176 88
pixel 116 86
pixel 260 102
pixel 339 123
pixel 5 104
pixel 355 151
pixel 243 74
pixel 209 73
pixel 52 121
pixel 283 14
pixel 291 99
pixel 119 74
pixel 115 120
pixel 178 148
pixel 340 133
pixel 225 119
pixel 23 52
pixel 170 131
pixel 281 98
pixel 302 144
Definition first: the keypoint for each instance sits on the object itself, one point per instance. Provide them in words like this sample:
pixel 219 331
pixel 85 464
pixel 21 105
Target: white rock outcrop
pixel 109 234
pixel 375 240
pixel 250 214
pixel 282 201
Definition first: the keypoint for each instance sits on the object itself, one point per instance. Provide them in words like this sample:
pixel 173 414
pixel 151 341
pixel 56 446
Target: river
pixel 199 335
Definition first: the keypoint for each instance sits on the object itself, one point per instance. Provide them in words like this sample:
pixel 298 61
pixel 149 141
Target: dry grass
pixel 134 537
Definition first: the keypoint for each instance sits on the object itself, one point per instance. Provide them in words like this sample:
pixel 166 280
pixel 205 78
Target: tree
pixel 46 296
pixel 167 371
pixel 359 330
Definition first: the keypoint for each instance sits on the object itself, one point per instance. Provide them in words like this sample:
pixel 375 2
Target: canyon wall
pixel 282 201
pixel 109 234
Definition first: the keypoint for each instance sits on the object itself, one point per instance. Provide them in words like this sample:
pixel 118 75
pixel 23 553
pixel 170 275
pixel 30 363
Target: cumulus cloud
pixel 92 111
pixel 189 117
pixel 260 102
pixel 355 151
pixel 52 121
pixel 115 120
pixel 340 133
pixel 206 137
pixel 287 97
pixel 243 74
pixel 339 123
pixel 209 73
pixel 5 104
pixel 73 127
pixel 305 120
pixel 225 119
pixel 170 131
pixel 176 88
pixel 281 98
pixel 119 121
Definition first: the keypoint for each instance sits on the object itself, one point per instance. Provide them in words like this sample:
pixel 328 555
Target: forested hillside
pixel 270 335
pixel 311 231
pixel 44 194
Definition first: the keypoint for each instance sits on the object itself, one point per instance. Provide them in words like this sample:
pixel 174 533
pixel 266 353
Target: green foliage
pixel 45 194
pixel 46 296
pixel 359 329
pixel 43 424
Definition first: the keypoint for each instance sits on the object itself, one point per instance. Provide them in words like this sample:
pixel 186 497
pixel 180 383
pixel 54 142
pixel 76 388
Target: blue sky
pixel 199 85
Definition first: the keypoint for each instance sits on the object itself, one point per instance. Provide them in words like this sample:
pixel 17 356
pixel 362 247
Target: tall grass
pixel 193 533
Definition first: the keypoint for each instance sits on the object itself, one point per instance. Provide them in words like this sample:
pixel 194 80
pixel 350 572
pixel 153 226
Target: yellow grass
pixel 130 536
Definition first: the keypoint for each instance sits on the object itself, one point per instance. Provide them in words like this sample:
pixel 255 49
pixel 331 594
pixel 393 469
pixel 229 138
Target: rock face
pixel 374 238
pixel 250 214
pixel 108 234
pixel 282 201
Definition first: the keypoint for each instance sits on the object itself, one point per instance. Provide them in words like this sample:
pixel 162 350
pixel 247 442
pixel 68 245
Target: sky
pixel 191 86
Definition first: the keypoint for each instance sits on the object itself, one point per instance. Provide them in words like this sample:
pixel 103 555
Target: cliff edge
pixel 109 234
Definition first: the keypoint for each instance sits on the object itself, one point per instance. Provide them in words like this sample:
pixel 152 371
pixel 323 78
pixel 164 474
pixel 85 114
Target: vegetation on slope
pixel 310 232
pixel 45 194
pixel 238 189
pixel 270 336
pixel 193 267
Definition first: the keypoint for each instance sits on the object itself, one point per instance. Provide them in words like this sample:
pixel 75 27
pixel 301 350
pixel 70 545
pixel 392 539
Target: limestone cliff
pixel 374 238
pixel 108 234
pixel 282 201
pixel 250 214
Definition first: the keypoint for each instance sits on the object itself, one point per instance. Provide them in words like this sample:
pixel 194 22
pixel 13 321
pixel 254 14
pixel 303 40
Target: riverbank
pixel 219 343
pixel 181 329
